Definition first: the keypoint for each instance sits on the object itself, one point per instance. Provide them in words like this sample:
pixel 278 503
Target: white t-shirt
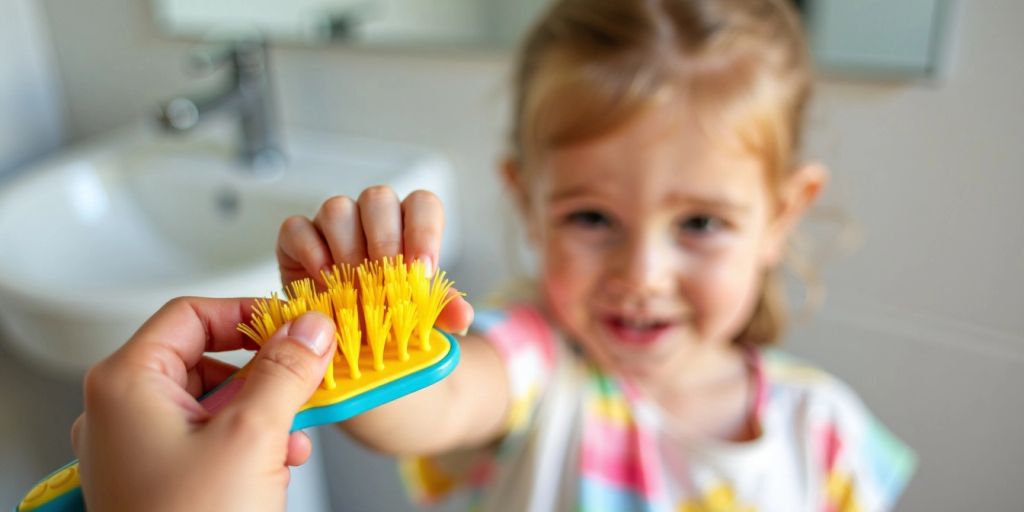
pixel 580 439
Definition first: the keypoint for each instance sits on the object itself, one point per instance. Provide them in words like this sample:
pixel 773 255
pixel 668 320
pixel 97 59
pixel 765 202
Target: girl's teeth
pixel 637 324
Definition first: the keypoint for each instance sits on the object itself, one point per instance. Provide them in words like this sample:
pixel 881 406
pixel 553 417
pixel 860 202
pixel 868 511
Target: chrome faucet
pixel 248 95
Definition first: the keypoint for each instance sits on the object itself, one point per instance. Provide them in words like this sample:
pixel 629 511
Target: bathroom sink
pixel 96 239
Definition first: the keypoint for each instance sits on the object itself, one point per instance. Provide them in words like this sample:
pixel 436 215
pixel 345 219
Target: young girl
pixel 655 164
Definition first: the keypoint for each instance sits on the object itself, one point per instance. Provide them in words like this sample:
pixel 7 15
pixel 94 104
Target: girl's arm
pixel 468 408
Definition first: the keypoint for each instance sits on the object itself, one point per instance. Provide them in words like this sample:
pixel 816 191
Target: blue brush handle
pixel 67 493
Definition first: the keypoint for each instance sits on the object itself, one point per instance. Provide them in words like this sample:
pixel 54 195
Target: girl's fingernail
pixel 314 331
pixel 463 332
pixel 428 266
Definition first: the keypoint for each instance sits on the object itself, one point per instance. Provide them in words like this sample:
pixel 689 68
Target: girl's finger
pixel 76 433
pixel 381 215
pixel 423 224
pixel 301 251
pixel 339 222
pixel 456 316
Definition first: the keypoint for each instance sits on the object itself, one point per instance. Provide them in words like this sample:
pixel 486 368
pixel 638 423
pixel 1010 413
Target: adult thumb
pixel 286 371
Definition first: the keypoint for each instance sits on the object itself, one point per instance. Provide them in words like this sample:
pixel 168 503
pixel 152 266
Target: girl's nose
pixel 642 266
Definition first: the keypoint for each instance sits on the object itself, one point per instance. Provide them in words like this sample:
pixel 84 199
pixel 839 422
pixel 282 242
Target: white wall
pixel 922 319
pixel 31 125
pixel 30 108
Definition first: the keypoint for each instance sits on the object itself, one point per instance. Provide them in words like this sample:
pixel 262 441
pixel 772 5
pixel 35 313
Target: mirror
pixel 868 39
pixel 480 24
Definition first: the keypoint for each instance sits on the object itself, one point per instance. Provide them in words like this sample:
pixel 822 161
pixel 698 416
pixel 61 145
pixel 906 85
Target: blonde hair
pixel 589 66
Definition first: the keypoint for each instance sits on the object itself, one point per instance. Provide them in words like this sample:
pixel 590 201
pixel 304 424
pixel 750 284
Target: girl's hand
pixel 374 226
pixel 146 443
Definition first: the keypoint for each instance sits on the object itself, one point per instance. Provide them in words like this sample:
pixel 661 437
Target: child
pixel 655 164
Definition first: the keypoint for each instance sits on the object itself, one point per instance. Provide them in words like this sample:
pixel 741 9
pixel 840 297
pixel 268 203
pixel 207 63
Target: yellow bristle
pixel 294 308
pixel 396 281
pixel 267 316
pixel 337 276
pixel 371 283
pixel 399 298
pixel 274 315
pixel 403 321
pixel 396 300
pixel 342 295
pixel 350 339
pixel 331 277
pixel 268 327
pixel 321 303
pixel 329 376
pixel 430 296
pixel 249 332
pixel 305 290
pixel 395 273
pixel 378 323
pixel 376 318
pixel 349 296
pixel 420 287
pixel 300 288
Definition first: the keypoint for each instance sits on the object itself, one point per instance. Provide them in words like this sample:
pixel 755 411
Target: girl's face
pixel 654 240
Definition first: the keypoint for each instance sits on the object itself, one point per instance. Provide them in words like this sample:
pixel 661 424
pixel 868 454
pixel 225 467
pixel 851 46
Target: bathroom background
pixel 923 317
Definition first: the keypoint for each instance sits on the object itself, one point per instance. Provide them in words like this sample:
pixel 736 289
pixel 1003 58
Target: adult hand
pixel 145 442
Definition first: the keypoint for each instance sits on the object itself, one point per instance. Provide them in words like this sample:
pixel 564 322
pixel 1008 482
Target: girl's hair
pixel 590 66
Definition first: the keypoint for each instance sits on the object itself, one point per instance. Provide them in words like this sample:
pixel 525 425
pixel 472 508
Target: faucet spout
pixel 247 95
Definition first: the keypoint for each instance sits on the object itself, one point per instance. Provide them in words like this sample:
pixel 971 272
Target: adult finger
pixel 207 375
pixel 173 340
pixel 284 374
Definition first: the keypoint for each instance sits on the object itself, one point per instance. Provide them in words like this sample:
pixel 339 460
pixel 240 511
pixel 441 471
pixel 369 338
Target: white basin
pixel 93 241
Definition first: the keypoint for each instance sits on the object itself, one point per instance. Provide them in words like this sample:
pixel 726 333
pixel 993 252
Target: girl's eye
pixel 588 219
pixel 702 224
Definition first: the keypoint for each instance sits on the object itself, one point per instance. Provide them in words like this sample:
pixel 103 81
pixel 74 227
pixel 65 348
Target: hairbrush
pixel 384 312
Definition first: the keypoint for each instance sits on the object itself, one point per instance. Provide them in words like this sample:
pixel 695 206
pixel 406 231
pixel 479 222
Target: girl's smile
pixel 639 331
pixel 654 241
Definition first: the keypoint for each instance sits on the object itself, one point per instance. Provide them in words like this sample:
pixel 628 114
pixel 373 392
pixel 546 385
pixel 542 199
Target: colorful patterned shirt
pixel 580 439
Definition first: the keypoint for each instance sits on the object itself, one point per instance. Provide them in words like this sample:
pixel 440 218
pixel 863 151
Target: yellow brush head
pixel 384 312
